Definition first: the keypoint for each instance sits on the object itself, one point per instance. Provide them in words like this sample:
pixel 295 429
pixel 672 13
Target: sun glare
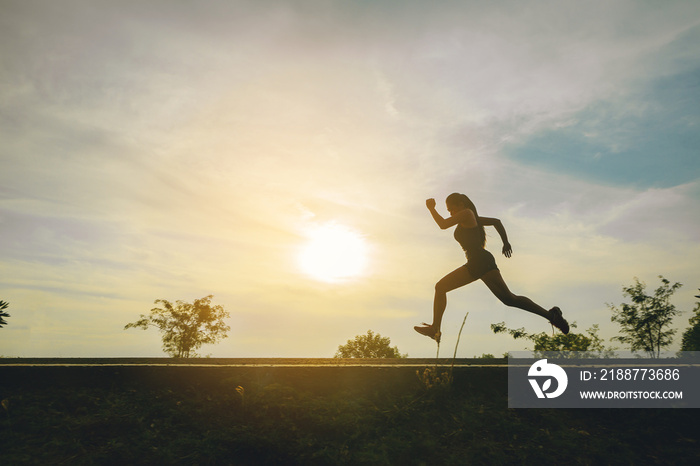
pixel 334 253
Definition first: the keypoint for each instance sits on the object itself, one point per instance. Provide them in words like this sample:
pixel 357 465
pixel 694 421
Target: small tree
pixel 691 337
pixel 370 345
pixel 574 342
pixel 646 321
pixel 3 306
pixel 186 327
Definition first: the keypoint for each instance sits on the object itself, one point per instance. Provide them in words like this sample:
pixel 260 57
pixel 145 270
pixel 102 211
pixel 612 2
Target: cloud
pixel 160 150
pixel 497 78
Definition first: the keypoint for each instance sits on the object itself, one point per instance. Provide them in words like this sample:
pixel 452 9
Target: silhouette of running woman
pixel 480 264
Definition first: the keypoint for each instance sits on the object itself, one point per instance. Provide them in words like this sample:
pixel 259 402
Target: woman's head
pixel 457 201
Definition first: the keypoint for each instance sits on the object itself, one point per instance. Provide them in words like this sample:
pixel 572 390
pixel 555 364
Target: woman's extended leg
pixel 498 287
pixel 449 282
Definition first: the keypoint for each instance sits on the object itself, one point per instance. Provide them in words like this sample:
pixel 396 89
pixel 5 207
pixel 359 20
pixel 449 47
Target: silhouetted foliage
pixel 3 306
pixel 691 337
pixel 370 345
pixel 571 342
pixel 185 326
pixel 645 323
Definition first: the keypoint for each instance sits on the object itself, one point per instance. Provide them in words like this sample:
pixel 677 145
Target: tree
pixel 645 323
pixel 572 342
pixel 691 337
pixel 370 345
pixel 186 327
pixel 3 306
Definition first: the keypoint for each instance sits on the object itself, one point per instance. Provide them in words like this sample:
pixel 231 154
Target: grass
pixel 229 423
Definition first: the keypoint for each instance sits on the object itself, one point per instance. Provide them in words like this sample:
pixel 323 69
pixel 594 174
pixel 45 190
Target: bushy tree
pixel 370 345
pixel 572 342
pixel 3 306
pixel 646 322
pixel 691 337
pixel 186 327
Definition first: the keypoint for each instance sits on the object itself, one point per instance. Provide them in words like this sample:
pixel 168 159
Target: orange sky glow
pixel 278 155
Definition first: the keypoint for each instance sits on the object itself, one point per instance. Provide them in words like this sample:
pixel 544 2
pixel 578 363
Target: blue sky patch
pixel 650 139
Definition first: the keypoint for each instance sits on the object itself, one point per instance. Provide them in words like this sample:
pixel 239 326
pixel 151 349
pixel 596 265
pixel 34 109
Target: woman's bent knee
pixel 444 286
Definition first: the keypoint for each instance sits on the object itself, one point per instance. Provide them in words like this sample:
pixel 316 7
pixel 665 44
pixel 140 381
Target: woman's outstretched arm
pixel 498 225
pixel 465 216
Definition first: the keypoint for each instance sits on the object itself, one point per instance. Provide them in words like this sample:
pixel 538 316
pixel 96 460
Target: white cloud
pixel 162 152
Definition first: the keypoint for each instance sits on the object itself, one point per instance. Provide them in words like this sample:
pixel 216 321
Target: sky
pixel 174 150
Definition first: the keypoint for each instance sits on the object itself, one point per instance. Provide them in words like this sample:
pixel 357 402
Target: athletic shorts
pixel 480 262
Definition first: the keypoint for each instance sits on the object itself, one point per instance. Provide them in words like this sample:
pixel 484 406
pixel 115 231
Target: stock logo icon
pixel 542 370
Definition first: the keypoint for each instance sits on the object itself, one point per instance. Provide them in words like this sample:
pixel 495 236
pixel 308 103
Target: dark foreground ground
pixel 258 413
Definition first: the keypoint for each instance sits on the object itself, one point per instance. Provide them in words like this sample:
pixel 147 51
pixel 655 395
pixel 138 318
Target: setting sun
pixel 333 253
